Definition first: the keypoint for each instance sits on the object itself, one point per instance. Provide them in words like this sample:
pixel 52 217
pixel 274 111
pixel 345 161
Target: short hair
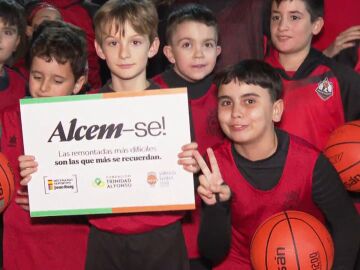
pixel 254 72
pixel 314 7
pixel 141 14
pixel 33 7
pixel 63 42
pixel 190 12
pixel 12 14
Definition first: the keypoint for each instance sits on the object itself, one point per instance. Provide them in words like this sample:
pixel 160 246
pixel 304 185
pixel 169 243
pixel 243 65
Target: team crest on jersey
pixel 325 89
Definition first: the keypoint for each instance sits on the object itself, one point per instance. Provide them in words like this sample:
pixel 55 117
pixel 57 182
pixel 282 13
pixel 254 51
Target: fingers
pixel 345 39
pixel 214 166
pixel 27 165
pixel 186 158
pixel 202 164
pixel 25 181
pixel 22 200
pixel 205 194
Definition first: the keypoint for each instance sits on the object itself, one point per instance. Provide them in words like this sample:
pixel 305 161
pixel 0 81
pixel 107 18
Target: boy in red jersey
pixel 267 171
pixel 12 36
pixel 192 47
pixel 126 36
pixel 58 62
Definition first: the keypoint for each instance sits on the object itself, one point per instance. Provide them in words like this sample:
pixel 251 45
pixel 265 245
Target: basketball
pixel 343 151
pixel 292 240
pixel 6 182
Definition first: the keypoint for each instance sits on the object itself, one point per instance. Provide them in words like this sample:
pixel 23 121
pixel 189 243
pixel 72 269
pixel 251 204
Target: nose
pixel 44 86
pixel 283 24
pixel 237 111
pixel 198 51
pixel 124 51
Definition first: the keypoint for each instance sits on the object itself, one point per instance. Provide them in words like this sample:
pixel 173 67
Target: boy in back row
pixel 192 48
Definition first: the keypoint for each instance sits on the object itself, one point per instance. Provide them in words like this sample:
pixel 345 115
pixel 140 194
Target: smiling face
pixel 48 78
pixel 9 40
pixel 193 50
pixel 247 114
pixel 126 52
pixel 292 29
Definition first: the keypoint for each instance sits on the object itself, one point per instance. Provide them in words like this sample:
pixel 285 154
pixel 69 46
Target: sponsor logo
pixel 315 260
pixel 98 183
pixel 151 178
pixel 12 141
pixel 325 89
pixel 280 258
pixel 67 184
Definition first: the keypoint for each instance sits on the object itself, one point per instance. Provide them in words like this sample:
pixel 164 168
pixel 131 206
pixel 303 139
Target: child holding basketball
pixel 261 170
pixel 58 64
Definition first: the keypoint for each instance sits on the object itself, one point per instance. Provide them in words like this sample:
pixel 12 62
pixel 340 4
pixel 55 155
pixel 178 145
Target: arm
pixel 344 223
pixel 215 225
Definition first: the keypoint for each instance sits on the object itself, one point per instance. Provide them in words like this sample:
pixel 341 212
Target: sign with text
pixel 108 153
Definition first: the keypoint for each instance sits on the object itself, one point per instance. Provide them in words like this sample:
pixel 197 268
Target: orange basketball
pixel 6 182
pixel 343 151
pixel 292 240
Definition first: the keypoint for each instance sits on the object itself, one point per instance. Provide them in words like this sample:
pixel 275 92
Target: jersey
pixel 38 243
pixel 251 206
pixel 318 98
pixel 12 88
pixel 205 131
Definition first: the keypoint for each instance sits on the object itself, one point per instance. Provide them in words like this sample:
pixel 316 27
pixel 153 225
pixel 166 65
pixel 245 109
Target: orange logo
pixel 151 178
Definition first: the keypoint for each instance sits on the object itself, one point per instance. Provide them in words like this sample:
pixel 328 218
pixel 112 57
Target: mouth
pixel 125 66
pixel 238 127
pixel 283 38
pixel 198 66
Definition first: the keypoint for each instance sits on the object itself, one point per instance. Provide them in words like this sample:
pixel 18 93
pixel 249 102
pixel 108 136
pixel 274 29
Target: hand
pixel 186 157
pixel 345 39
pixel 28 166
pixel 211 182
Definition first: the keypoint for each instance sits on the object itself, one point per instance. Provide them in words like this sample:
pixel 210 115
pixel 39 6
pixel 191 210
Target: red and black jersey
pixel 205 130
pixel 55 243
pixel 319 97
pixel 251 206
pixel 12 88
pixel 138 222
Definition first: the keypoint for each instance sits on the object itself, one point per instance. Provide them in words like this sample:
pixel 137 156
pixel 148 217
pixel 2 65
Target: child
pixel 12 37
pixel 58 62
pixel 319 95
pixel 267 171
pixel 192 48
pixel 126 36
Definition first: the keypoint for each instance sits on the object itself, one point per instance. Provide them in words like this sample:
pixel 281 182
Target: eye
pixel 186 45
pixel 209 44
pixel 36 77
pixel 136 42
pixel 275 18
pixel 225 102
pixel 58 81
pixel 112 43
pixel 294 17
pixel 249 101
pixel 9 32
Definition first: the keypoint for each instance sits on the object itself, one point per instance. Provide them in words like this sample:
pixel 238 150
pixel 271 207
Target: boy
pixel 192 48
pixel 126 36
pixel 12 36
pixel 267 171
pixel 58 62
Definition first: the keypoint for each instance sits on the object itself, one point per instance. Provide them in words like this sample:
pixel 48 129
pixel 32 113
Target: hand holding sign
pixel 211 182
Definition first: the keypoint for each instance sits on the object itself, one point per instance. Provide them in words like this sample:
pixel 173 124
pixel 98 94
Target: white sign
pixel 108 153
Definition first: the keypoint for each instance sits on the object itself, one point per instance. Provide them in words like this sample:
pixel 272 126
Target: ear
pixel 79 84
pixel 154 47
pixel 169 54
pixel 317 26
pixel 278 108
pixel 218 50
pixel 99 50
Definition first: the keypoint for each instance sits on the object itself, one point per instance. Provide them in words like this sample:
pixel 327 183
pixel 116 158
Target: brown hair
pixel 142 16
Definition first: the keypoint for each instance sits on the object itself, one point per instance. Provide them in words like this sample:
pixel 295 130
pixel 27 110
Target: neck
pixel 292 61
pixel 258 151
pixel 138 83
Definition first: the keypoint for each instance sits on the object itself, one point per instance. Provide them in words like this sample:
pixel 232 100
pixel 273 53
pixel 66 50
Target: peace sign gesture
pixel 211 182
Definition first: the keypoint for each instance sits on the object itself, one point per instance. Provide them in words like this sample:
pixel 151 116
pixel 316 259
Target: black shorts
pixel 163 248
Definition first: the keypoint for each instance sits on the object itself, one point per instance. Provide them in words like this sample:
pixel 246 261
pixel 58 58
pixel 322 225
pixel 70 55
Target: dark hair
pixel 254 72
pixel 190 12
pixel 33 7
pixel 141 15
pixel 12 13
pixel 314 7
pixel 62 41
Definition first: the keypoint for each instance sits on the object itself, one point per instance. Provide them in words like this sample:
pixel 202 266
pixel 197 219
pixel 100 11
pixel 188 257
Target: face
pixel 47 13
pixel 193 50
pixel 126 55
pixel 247 114
pixel 291 27
pixel 9 40
pixel 51 79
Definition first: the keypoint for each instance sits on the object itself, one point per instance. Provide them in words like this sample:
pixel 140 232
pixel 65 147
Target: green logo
pixel 98 183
